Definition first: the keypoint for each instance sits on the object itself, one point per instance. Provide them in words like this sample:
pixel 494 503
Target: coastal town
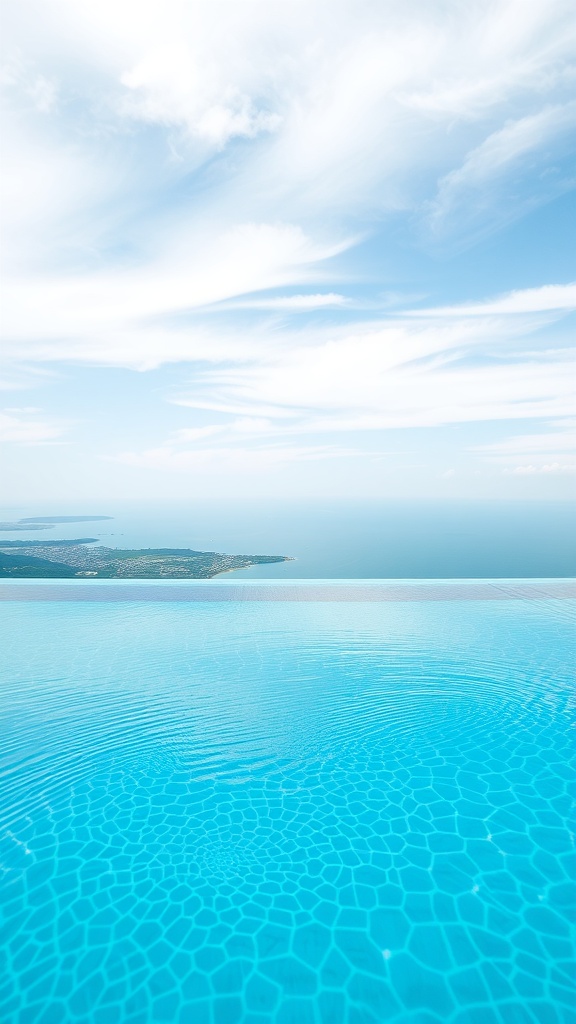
pixel 80 558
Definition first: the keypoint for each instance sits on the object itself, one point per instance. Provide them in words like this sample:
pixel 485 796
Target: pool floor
pixel 297 812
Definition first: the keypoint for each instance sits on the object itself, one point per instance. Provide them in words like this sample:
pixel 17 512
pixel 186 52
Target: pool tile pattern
pixel 323 814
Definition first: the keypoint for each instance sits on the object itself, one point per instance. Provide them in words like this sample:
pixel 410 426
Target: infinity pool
pixel 298 804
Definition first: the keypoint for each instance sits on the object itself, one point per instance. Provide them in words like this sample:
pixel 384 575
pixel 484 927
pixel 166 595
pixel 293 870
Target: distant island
pixel 65 559
pixel 46 522
pixel 65 519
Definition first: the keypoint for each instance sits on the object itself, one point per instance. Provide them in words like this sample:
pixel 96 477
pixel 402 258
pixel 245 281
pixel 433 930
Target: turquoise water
pixel 288 811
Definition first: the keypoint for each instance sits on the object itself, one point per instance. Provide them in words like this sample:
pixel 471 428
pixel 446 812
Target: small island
pixel 46 522
pixel 65 559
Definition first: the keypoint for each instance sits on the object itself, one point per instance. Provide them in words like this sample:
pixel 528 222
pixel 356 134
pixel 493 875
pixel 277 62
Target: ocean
pixel 341 540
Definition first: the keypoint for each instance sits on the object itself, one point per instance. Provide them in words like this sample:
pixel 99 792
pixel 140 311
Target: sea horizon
pixel 335 539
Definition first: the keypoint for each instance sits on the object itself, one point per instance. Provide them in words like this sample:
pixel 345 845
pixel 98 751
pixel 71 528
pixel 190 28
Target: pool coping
pixel 287 590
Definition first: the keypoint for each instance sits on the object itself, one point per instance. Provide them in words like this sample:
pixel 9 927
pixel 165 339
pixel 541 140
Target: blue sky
pixel 298 248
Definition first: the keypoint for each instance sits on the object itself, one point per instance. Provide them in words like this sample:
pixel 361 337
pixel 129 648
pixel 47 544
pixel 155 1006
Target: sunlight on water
pixel 288 812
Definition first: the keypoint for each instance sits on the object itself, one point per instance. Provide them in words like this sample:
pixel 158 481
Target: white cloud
pixel 346 113
pixel 562 438
pixel 346 110
pixel 292 303
pixel 343 391
pixel 487 187
pixel 182 177
pixel 21 426
pixel 224 459
pixel 547 298
pixel 169 88
pixel 43 93
pixel 386 377
pixel 35 89
pixel 108 317
pixel 551 450
pixel 550 467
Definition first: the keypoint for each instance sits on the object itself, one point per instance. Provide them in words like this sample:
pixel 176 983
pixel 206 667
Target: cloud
pixel 224 459
pixel 400 372
pixel 292 303
pixel 310 402
pixel 550 450
pixel 195 118
pixel 169 88
pixel 233 188
pixel 562 438
pixel 364 384
pixel 112 317
pixel 35 89
pixel 376 379
pixel 20 426
pixel 546 298
pixel 44 94
pixel 487 186
pixel 302 108
pixel 551 467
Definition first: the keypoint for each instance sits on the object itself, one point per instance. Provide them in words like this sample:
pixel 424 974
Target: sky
pixel 288 249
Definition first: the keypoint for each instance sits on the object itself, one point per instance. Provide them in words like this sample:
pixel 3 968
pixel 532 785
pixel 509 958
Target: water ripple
pixel 347 813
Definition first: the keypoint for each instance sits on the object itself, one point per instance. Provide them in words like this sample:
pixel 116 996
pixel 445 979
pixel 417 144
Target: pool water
pixel 314 811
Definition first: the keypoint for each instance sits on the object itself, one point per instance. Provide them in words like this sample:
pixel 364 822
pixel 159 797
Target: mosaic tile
pixel 335 813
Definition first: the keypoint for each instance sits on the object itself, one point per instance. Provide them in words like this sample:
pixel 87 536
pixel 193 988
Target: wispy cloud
pixel 487 187
pixel 551 450
pixel 22 426
pixel 235 197
pixel 365 383
pixel 292 303
pixel 551 297
pixel 546 468
pixel 298 108
pixel 111 316
pixel 170 87
pixel 225 459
